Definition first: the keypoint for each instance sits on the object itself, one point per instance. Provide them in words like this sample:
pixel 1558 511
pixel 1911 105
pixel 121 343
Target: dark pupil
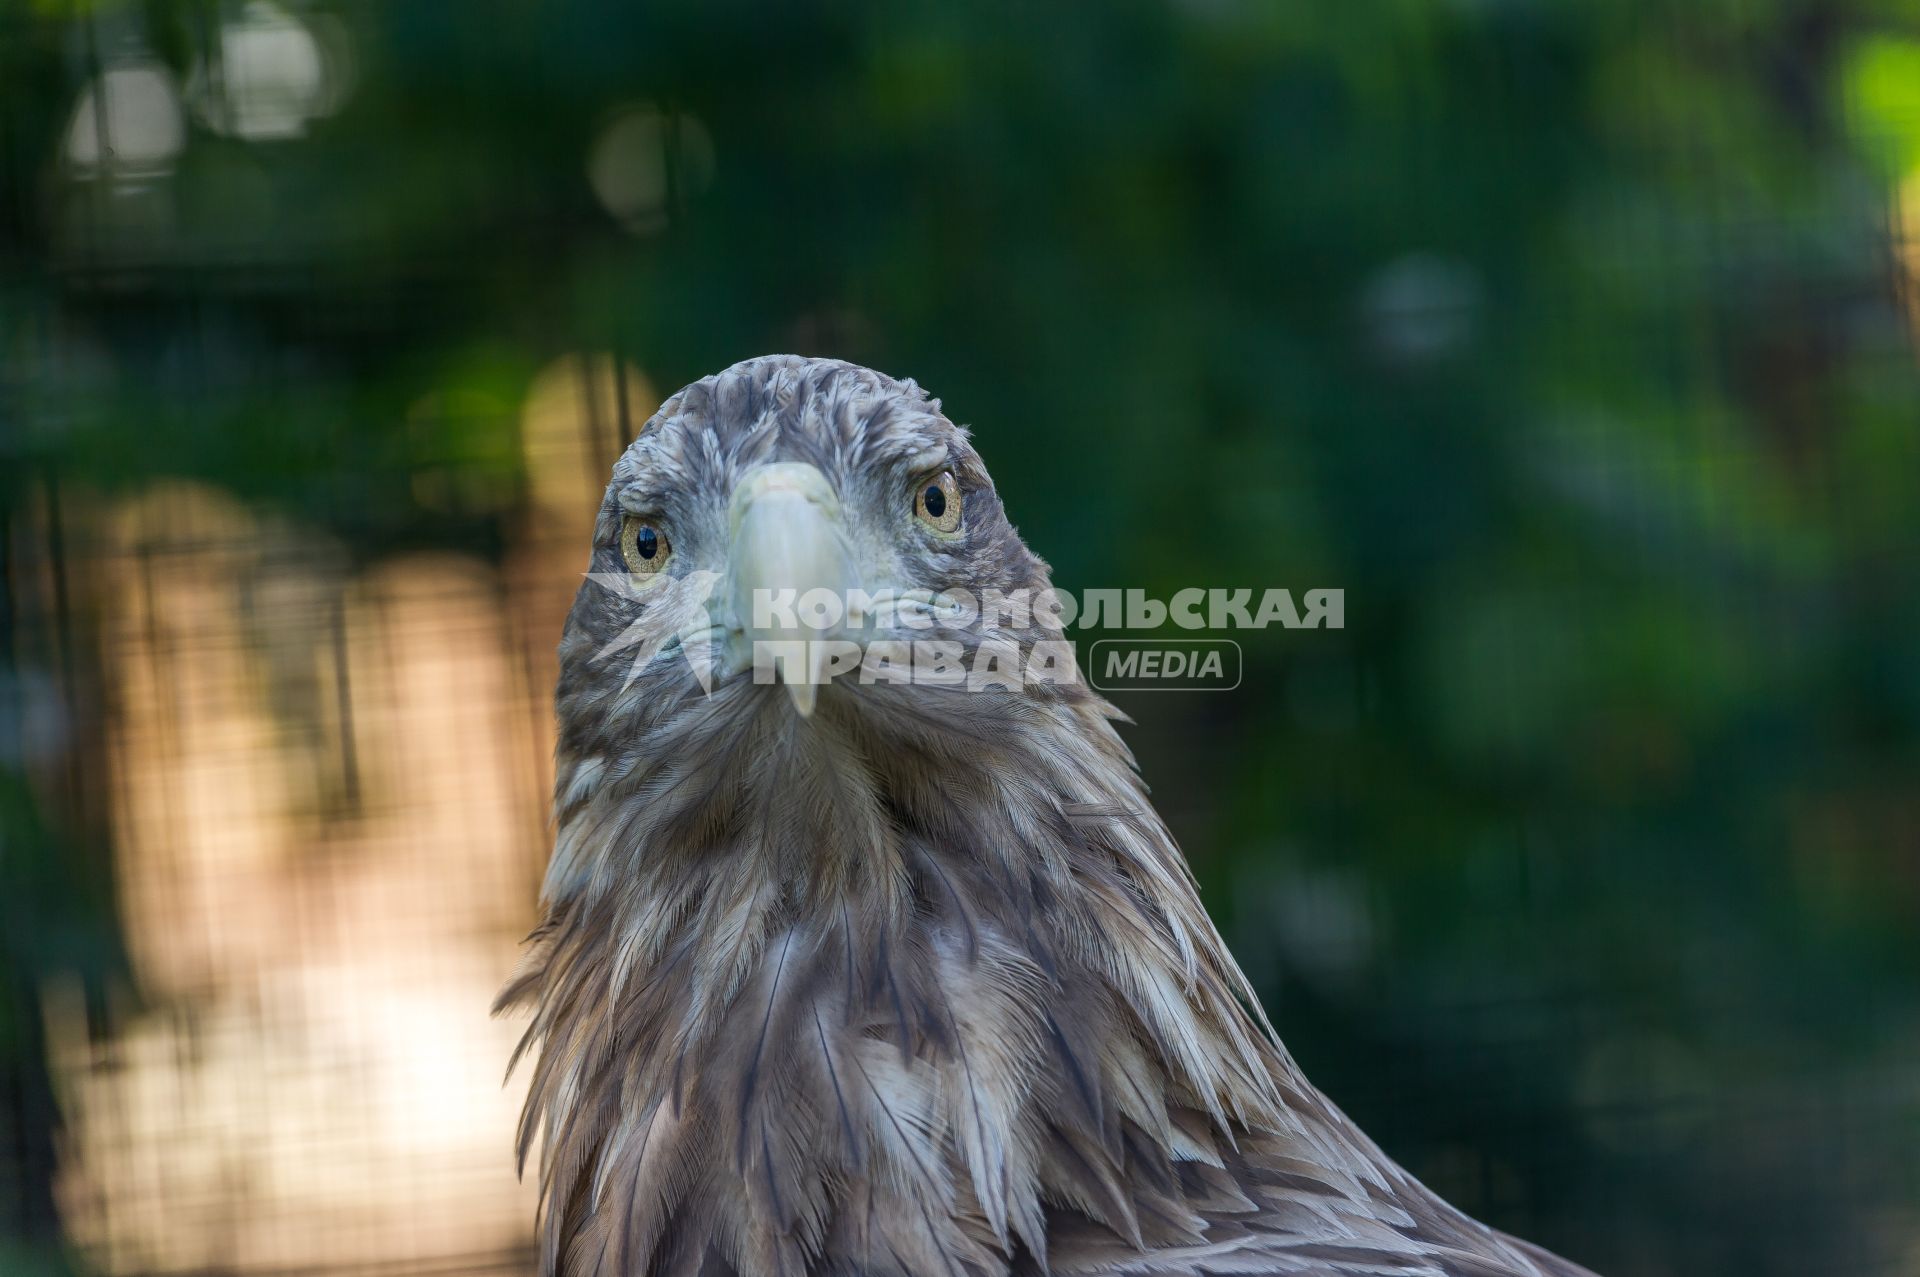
pixel 936 501
pixel 648 543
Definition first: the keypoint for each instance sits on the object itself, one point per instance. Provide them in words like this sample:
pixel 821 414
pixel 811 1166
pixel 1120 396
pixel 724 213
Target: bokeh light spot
pixel 274 75
pixel 645 161
pixel 128 125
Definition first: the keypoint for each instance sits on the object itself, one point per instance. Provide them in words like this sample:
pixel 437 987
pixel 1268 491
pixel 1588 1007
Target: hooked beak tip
pixel 803 695
pixel 786 542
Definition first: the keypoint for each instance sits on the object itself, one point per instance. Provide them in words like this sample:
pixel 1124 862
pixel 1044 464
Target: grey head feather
pixel 920 984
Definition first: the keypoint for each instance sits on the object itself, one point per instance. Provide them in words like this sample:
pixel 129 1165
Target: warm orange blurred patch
pixel 330 819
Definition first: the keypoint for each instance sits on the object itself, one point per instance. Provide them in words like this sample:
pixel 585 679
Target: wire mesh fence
pixel 323 787
pixel 1575 342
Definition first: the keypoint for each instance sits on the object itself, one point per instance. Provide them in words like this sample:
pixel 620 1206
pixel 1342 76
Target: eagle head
pixel 862 948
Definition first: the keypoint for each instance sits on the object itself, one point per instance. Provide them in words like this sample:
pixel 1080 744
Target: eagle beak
pixel 787 542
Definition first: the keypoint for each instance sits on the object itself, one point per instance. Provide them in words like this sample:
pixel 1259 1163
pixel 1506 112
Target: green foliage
pixel 1581 865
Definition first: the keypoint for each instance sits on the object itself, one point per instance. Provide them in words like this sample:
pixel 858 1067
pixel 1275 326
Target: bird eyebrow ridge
pixel 637 498
pixel 929 459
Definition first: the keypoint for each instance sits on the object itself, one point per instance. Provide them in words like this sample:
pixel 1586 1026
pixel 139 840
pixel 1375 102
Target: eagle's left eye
pixel 644 546
pixel 936 502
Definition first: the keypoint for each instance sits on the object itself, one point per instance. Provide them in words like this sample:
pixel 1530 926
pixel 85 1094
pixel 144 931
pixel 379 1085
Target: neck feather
pixel 885 983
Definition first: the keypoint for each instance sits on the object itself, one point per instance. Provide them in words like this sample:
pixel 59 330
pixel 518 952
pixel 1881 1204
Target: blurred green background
pixel 1575 341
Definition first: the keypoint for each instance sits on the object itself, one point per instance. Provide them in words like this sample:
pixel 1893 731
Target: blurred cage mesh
pixel 325 788
pixel 307 786
pixel 302 785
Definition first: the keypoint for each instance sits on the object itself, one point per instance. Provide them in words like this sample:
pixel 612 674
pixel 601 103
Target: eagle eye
pixel 936 502
pixel 644 546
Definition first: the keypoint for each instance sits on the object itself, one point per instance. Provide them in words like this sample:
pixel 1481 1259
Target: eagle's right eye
pixel 644 546
pixel 936 502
